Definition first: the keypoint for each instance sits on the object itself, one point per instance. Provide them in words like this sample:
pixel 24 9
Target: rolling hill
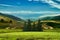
pixel 56 18
pixel 10 21
pixel 53 21
pixel 11 16
pixel 51 18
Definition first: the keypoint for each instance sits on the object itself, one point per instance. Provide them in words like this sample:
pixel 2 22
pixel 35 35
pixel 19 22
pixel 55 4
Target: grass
pixel 20 30
pixel 52 30
pixel 17 34
pixel 10 30
pixel 30 36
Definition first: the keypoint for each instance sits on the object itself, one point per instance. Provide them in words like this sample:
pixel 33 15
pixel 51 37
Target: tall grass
pixel 10 30
pixel 17 34
pixel 30 36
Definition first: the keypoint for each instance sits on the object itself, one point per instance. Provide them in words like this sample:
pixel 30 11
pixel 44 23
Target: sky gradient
pixel 30 8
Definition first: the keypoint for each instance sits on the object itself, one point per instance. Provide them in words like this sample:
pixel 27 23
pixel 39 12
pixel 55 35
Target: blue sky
pixel 30 8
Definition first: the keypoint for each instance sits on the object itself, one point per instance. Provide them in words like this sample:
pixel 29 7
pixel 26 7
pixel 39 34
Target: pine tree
pixel 39 26
pixel 2 20
pixel 25 27
pixel 34 27
pixel 29 25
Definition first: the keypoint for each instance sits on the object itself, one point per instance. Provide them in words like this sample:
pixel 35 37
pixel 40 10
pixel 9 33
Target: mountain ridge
pixel 11 16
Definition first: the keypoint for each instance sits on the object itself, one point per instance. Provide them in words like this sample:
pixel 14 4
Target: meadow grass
pixel 19 35
pixel 10 30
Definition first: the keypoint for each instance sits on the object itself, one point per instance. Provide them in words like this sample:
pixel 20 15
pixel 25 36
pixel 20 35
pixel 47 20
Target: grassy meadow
pixel 18 34
pixel 13 30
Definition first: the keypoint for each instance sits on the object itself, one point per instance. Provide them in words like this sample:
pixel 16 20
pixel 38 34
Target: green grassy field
pixel 30 36
pixel 19 35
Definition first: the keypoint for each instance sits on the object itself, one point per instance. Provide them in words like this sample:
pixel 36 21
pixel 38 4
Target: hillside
pixel 56 18
pixel 47 18
pixel 11 16
pixel 51 21
pixel 51 18
pixel 10 21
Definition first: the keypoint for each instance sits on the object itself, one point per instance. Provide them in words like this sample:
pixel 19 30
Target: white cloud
pixel 58 0
pixel 52 3
pixel 6 5
pixel 30 12
pixel 9 5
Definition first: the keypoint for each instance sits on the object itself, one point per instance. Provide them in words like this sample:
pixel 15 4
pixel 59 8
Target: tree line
pixel 35 27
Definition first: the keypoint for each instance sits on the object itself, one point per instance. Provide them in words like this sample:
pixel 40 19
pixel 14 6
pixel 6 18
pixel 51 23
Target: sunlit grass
pixel 30 36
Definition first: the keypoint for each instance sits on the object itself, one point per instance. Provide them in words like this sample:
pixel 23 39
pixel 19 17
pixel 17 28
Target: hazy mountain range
pixel 51 18
pixel 19 19
pixel 11 16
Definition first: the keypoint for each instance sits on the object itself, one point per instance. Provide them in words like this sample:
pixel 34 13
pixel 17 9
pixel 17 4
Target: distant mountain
pixel 51 18
pixel 56 18
pixel 11 16
pixel 47 18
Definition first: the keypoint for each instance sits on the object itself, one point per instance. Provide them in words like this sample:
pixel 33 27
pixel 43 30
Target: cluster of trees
pixel 54 25
pixel 3 21
pixel 35 27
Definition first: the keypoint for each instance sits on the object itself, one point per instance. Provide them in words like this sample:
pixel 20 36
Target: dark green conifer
pixel 25 27
pixel 29 25
pixel 34 27
pixel 39 26
pixel 2 20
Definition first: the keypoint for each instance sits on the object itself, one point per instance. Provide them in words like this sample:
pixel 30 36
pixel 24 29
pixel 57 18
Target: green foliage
pixel 55 25
pixel 10 21
pixel 30 27
pixel 34 27
pixel 3 27
pixel 27 27
pixel 39 26
pixel 2 20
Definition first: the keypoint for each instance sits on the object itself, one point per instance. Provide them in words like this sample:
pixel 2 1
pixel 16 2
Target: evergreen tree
pixel 2 20
pixel 10 21
pixel 29 25
pixel 25 27
pixel 34 27
pixel 39 26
